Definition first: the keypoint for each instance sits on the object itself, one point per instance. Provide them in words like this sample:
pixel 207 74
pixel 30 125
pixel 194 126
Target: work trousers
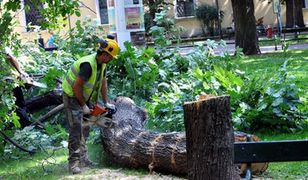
pixel 78 133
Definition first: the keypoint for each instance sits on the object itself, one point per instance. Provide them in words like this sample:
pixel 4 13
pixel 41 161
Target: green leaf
pixel 277 102
pixel 15 120
pixel 206 85
pixel 198 73
pixel 77 13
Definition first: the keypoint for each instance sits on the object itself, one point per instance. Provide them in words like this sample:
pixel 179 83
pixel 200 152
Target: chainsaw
pixel 100 116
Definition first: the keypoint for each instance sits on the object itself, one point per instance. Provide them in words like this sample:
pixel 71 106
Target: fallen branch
pixel 9 140
pixel 48 115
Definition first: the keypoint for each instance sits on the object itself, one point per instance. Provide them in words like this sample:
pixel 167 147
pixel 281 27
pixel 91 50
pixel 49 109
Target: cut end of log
pixel 202 98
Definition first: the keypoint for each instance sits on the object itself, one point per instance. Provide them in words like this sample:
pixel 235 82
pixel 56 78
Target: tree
pixel 209 17
pixel 294 13
pixel 154 6
pixel 245 27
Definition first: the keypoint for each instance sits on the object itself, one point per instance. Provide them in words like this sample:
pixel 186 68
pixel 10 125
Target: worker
pixel 21 110
pixel 81 86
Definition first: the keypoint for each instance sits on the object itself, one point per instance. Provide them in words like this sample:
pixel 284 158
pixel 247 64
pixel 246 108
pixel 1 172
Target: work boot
pixel 74 168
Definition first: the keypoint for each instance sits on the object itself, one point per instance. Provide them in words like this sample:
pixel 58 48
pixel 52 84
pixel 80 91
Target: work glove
pixel 110 106
pixel 86 109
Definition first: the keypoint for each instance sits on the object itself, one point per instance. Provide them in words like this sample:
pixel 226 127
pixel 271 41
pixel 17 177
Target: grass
pixel 31 167
pixel 56 168
pixel 270 63
pixel 56 165
pixel 298 67
pixel 286 170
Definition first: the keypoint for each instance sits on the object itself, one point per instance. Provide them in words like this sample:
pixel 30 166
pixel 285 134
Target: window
pixel 103 11
pixel 33 14
pixel 185 8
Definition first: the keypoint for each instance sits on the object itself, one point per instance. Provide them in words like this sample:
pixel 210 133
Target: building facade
pixel 183 11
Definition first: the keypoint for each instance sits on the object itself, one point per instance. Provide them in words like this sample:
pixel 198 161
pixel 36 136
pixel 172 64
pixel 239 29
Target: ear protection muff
pixel 102 44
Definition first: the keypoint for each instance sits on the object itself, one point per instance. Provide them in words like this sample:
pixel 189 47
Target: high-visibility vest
pixel 91 86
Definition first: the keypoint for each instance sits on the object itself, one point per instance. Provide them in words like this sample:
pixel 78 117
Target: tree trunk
pixel 219 19
pixel 294 13
pixel 210 149
pixel 245 27
pixel 152 11
pixel 127 143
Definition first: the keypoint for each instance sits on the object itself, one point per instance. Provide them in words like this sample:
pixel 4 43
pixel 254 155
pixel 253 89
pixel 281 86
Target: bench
pixel 296 31
pixel 273 151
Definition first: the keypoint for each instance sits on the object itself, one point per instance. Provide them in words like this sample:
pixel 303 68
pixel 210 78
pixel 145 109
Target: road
pixel 230 48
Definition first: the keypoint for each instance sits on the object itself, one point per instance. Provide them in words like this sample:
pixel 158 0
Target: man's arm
pixel 104 90
pixel 104 95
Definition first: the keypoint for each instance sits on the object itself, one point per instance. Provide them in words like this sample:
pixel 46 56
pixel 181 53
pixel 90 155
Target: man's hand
pixel 86 109
pixel 110 106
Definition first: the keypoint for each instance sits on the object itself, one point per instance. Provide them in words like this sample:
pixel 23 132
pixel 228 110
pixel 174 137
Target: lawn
pixel 270 63
pixel 55 165
pixel 286 170
pixel 52 165
pixel 298 67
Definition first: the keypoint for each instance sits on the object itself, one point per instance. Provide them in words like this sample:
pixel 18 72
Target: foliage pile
pixel 162 79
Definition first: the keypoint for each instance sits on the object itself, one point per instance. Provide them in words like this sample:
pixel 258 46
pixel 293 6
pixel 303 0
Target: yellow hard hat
pixel 109 45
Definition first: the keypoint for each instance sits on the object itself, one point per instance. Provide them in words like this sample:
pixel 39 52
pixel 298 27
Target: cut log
pixel 127 143
pixel 210 138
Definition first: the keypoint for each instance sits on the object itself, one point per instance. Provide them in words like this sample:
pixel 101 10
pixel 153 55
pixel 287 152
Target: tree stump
pixel 210 137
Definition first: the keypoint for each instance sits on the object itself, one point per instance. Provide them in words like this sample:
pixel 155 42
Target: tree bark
pixel 294 13
pixel 127 143
pixel 245 27
pixel 210 138
pixel 219 19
